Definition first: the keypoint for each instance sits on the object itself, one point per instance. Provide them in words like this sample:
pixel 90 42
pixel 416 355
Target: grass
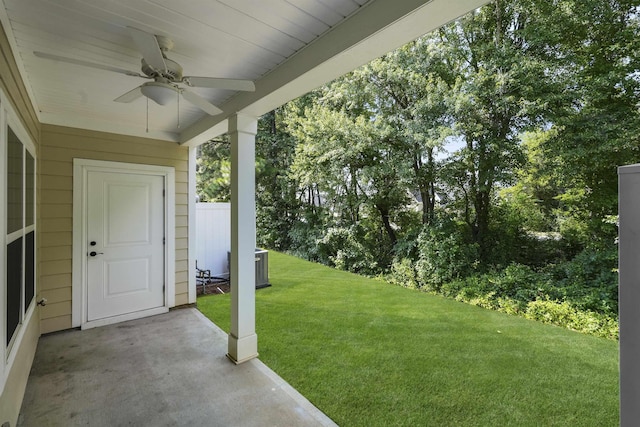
pixel 371 354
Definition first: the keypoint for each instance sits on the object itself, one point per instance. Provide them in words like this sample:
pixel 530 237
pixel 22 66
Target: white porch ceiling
pixel 288 47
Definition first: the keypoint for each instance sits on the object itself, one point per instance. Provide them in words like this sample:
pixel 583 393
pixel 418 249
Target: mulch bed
pixel 212 287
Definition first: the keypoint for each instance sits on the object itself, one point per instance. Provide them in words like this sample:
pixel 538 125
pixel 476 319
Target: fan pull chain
pixel 178 92
pixel 147 114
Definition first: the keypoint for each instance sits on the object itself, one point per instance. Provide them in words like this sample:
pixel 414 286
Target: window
pixel 20 234
pixel 18 239
pixel 30 232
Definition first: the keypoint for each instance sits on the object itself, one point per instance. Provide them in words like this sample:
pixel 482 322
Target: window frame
pixel 8 352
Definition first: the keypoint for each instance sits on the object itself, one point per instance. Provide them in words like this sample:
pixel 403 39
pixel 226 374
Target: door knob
pixel 93 253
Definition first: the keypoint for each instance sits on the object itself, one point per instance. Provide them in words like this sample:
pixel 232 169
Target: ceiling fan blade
pixel 130 96
pixel 149 48
pixel 87 64
pixel 216 83
pixel 201 103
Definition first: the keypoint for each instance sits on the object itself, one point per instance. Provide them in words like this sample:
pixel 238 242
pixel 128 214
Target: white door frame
pixel 81 168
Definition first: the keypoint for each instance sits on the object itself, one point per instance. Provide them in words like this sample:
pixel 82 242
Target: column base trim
pixel 239 362
pixel 243 349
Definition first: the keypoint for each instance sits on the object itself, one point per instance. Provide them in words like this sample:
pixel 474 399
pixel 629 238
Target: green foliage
pixel 304 241
pixel 565 315
pixel 509 290
pixel 342 248
pixel 278 208
pixel 213 168
pixel 596 119
pixel 590 280
pixel 580 294
pixel 540 100
pixel 403 273
pixel 446 252
pixel 522 209
pixel 347 160
pixel 538 190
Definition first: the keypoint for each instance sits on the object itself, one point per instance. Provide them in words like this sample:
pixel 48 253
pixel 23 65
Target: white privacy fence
pixel 213 237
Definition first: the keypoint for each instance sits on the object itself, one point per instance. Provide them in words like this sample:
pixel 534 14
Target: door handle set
pixel 94 253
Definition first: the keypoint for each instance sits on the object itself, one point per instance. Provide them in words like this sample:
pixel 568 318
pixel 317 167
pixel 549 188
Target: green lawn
pixel 371 354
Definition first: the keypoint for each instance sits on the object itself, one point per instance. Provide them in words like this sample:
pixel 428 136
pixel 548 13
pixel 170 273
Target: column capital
pixel 244 123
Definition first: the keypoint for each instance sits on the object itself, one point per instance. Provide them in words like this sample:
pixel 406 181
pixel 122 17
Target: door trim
pixel 81 169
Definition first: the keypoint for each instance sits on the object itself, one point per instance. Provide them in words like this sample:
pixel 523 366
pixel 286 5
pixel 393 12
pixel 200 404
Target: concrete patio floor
pixel 166 370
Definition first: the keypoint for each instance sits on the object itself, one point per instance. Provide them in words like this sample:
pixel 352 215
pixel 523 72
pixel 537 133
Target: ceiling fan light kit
pixel 165 73
pixel 161 93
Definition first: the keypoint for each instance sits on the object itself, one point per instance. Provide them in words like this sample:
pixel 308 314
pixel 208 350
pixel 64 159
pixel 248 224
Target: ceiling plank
pixel 321 11
pixel 282 16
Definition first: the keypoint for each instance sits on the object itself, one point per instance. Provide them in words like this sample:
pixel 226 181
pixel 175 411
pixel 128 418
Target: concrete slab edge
pixel 302 401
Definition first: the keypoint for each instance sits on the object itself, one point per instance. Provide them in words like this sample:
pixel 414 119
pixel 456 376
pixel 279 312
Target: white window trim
pixel 8 353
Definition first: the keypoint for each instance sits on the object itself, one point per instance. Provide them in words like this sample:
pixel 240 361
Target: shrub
pixel 519 290
pixel 445 253
pixel 564 314
pixel 303 241
pixel 589 281
pixel 341 247
pixel 403 274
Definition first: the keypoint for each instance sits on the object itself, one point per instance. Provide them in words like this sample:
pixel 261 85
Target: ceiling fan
pixel 165 73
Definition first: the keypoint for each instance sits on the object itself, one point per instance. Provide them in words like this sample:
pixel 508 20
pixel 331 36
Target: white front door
pixel 125 243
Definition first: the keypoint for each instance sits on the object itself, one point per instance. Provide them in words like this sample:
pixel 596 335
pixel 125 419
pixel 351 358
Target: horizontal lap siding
pixel 16 93
pixel 60 145
pixel 11 82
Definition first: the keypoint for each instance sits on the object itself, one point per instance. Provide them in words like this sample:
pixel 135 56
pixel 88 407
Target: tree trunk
pixel 384 214
pixel 425 183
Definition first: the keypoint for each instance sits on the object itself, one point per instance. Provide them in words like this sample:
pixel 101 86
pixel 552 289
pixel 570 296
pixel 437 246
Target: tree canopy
pixel 490 142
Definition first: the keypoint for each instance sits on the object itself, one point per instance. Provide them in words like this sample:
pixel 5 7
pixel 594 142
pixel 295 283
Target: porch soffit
pixel 288 47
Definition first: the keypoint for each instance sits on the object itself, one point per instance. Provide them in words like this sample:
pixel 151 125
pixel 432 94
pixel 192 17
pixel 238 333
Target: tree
pixel 544 98
pixel 493 90
pixel 597 123
pixel 404 92
pixel 213 171
pixel 348 160
pixel 277 205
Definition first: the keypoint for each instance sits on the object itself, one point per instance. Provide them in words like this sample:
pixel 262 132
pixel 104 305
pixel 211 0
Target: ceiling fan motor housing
pixel 173 73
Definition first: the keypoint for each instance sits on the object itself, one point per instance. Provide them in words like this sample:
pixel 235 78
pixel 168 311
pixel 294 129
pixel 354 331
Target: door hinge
pixel 163 193
pixel 164 240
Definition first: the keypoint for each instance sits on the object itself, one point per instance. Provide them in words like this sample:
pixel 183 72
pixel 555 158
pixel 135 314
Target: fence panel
pixel 213 237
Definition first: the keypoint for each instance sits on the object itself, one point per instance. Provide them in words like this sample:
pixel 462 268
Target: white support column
pixel 192 224
pixel 243 341
pixel 629 293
